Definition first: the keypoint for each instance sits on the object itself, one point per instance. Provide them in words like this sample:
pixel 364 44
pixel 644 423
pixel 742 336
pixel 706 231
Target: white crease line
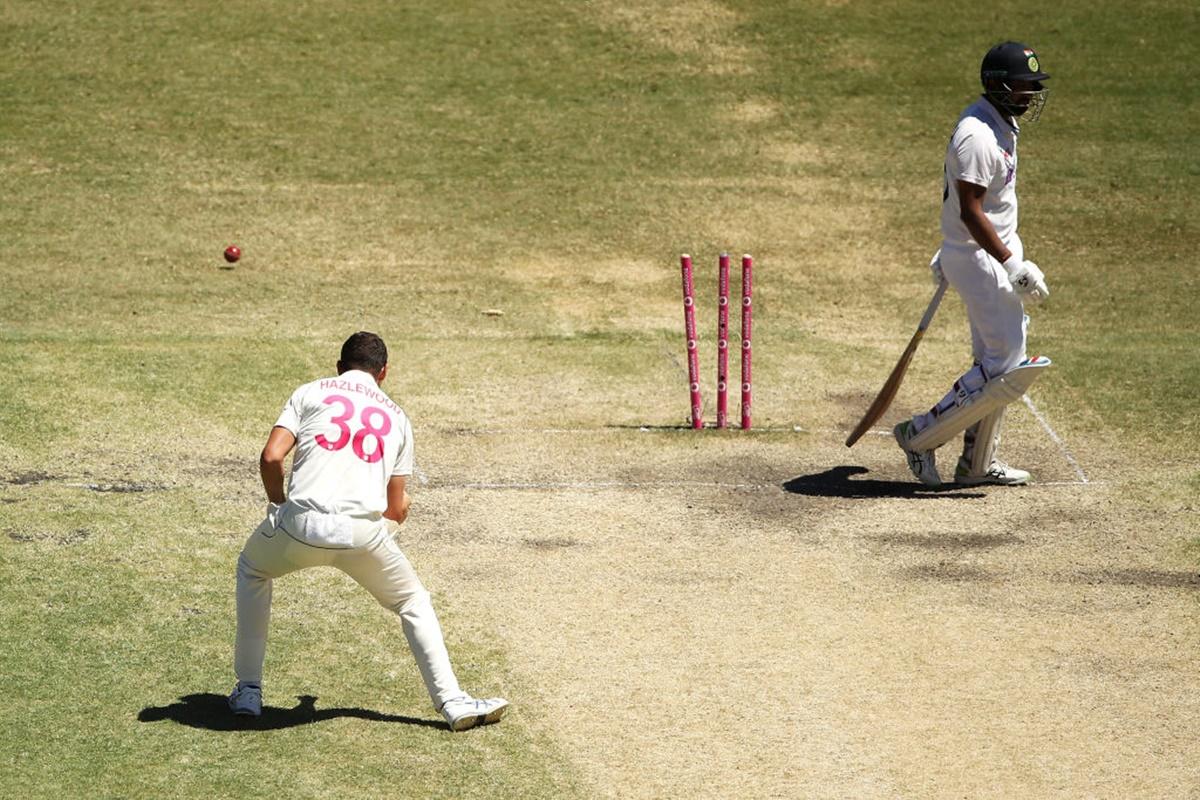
pixel 611 485
pixel 681 429
pixel 1079 473
pixel 1056 439
pixel 596 485
pixel 1084 482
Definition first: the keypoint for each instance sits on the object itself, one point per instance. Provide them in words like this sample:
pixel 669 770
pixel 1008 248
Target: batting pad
pixel 995 394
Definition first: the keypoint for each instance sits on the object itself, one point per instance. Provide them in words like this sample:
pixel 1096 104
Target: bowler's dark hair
pixel 365 351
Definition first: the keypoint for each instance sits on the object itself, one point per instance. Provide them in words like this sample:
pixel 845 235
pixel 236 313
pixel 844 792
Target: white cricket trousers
pixel 994 309
pixel 377 565
pixel 997 318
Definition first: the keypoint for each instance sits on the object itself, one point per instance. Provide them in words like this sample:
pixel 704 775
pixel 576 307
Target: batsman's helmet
pixel 1002 66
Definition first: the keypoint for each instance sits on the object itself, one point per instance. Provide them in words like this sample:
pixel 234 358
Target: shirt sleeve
pixel 289 418
pixel 404 458
pixel 971 159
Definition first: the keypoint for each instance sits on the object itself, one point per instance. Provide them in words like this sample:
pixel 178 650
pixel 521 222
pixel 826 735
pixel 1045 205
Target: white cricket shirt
pixel 982 151
pixel 351 438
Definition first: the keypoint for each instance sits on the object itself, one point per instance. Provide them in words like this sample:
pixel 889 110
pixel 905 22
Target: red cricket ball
pixel 233 253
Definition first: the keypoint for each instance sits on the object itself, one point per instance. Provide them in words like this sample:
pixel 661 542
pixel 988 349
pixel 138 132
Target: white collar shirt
pixel 351 439
pixel 982 151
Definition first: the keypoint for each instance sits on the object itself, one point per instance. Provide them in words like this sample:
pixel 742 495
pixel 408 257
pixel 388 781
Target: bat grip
pixel 933 305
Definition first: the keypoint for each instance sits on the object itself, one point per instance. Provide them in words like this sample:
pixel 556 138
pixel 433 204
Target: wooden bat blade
pixel 887 394
pixel 892 385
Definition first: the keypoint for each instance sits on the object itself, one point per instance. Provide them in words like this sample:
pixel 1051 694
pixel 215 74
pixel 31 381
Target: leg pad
pixel 996 393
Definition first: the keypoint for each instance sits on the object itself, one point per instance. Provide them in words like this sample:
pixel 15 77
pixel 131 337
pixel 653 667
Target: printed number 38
pixel 368 415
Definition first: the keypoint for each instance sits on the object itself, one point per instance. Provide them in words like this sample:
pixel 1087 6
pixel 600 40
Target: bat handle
pixel 933 305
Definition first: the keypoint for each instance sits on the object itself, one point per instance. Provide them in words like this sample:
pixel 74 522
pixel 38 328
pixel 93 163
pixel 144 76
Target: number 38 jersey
pixel 350 439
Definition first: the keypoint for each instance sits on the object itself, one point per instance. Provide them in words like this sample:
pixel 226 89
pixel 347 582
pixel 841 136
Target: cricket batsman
pixel 983 258
pixel 346 495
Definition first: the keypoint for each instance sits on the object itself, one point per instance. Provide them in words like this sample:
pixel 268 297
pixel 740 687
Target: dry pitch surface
pixel 770 615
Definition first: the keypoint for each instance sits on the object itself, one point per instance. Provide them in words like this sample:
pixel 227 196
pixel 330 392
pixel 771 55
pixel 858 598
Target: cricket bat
pixel 892 385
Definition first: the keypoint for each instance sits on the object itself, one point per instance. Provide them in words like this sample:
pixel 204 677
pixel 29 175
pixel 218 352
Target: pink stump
pixel 723 341
pixel 747 324
pixel 689 325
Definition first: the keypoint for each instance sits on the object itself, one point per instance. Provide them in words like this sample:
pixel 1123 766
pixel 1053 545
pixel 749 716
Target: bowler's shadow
pixel 838 482
pixel 211 712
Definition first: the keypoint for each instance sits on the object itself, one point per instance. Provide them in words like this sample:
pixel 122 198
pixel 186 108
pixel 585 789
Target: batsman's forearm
pixel 272 479
pixel 985 235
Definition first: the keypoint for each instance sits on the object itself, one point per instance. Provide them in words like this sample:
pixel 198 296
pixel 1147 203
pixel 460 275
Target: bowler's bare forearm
pixel 271 462
pixel 272 479
pixel 398 500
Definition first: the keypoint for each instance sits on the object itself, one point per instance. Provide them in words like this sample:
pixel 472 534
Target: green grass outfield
pixel 403 168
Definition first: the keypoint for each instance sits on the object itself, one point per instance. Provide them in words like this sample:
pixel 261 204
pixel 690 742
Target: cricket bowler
pixel 345 497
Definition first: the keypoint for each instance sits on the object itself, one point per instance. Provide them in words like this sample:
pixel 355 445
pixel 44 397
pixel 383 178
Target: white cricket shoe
pixel 998 474
pixel 246 700
pixel 921 462
pixel 467 712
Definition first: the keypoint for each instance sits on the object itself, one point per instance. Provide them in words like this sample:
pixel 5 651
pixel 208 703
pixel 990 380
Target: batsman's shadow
pixel 839 482
pixel 211 712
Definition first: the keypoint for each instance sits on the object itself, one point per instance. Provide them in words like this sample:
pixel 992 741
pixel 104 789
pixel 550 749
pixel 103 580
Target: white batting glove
pixel 935 266
pixel 1026 278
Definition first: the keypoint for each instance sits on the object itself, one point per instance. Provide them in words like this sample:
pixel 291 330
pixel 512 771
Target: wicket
pixel 689 321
